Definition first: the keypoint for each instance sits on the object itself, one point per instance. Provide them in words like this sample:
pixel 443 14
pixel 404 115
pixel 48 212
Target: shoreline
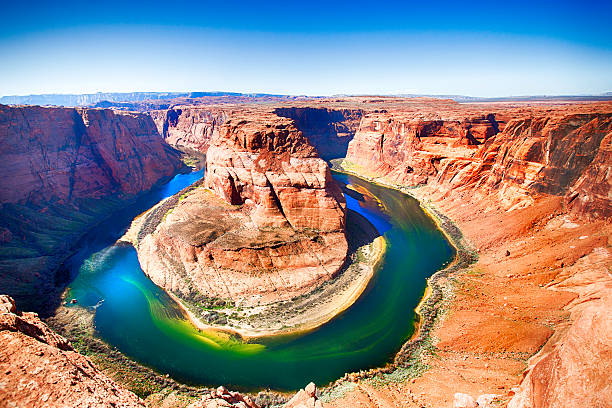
pixel 426 310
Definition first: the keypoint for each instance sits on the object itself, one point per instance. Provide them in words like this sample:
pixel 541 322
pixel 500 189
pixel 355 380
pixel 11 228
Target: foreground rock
pixel 268 225
pixel 221 397
pixel 305 398
pixel 63 170
pixel 40 368
pixel 572 368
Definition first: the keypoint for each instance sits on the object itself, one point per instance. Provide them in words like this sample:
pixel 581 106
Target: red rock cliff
pixel 63 169
pixel 65 154
pixel 329 130
pixel 189 126
pixel 270 163
pixel 538 154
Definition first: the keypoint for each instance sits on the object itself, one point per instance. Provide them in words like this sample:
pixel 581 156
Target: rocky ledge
pixel 40 368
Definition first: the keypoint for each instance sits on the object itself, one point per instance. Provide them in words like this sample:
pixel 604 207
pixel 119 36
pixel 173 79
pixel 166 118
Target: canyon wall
pixel 329 130
pixel 562 154
pixel 267 225
pixel 62 154
pixel 189 126
pixel 64 169
pixel 534 201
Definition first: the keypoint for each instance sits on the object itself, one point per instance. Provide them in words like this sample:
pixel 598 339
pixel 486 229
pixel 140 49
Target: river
pixel 143 322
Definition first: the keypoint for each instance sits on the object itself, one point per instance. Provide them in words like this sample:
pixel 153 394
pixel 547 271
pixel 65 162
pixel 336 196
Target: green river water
pixel 143 322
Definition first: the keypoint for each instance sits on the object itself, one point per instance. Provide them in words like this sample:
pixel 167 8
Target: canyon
pixel 525 186
pixel 267 225
pixel 64 170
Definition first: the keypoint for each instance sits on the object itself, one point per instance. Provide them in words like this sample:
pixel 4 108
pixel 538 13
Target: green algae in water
pixel 146 324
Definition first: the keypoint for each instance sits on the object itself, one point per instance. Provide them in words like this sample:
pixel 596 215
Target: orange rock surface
pixel 525 201
pixel 39 368
pixel 527 184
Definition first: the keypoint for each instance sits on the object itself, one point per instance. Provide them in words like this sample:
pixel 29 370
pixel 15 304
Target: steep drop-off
pixel 267 225
pixel 534 155
pixel 63 170
pixel 189 126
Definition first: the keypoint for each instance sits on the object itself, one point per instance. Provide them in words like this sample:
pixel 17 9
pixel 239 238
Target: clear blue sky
pixel 479 48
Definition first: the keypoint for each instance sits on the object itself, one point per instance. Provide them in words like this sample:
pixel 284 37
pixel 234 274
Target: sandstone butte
pixel 528 186
pixel 268 226
pixel 64 170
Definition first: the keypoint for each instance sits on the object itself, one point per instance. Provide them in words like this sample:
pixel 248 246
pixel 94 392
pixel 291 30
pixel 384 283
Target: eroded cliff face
pixel 267 225
pixel 41 368
pixel 64 154
pixel 329 130
pixel 63 169
pixel 534 200
pixel 189 127
pixel 537 155
pixel 410 149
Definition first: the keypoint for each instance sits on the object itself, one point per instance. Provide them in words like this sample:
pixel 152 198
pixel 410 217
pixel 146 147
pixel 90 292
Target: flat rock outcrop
pixel 63 170
pixel 268 224
pixel 39 368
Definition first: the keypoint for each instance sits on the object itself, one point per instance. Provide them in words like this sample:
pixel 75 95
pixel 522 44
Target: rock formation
pixel 64 154
pixel 410 150
pixel 63 170
pixel 527 184
pixel 533 155
pixel 189 126
pixel 39 368
pixel 221 398
pixel 305 398
pixel 534 199
pixel 273 229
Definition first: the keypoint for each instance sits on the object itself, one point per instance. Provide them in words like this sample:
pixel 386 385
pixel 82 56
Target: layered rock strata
pixel 39 368
pixel 64 169
pixel 534 202
pixel 188 126
pixel 564 154
pixel 267 225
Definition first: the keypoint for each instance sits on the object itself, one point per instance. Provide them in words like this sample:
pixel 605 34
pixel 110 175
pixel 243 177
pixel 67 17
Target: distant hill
pixel 92 99
pixel 126 100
